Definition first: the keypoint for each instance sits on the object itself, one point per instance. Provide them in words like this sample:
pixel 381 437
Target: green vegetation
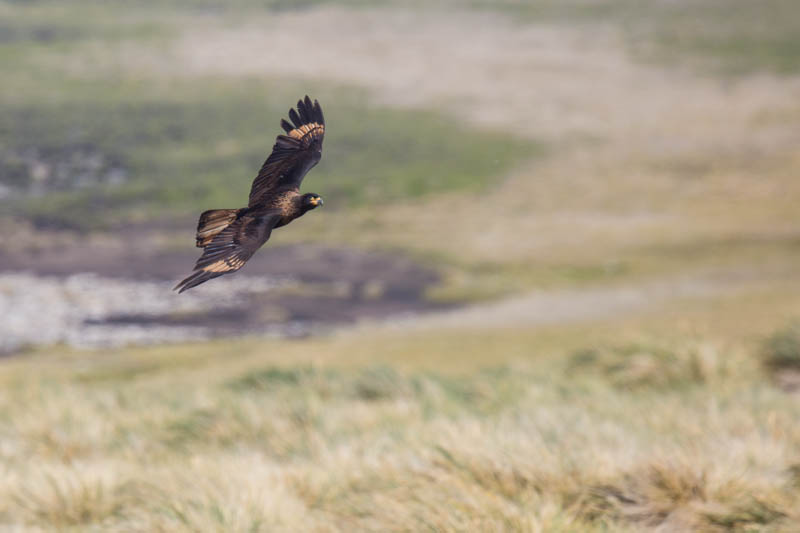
pixel 178 149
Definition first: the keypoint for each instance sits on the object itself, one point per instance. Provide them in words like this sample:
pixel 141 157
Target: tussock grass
pixel 63 497
pixel 653 366
pixel 220 441
pixel 780 356
pixel 782 349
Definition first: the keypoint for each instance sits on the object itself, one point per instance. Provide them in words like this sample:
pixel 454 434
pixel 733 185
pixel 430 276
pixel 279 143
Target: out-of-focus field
pixel 595 202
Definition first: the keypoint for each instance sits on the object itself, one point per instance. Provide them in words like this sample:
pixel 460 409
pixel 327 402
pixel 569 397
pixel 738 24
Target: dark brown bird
pixel 229 237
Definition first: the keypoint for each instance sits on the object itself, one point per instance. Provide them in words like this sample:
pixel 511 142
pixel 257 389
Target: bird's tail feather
pixel 212 222
pixel 196 278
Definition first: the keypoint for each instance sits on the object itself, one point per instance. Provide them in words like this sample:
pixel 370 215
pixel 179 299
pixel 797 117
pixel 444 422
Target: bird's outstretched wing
pixel 230 249
pixel 294 154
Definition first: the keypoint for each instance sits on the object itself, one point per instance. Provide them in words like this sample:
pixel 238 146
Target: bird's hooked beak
pixel 317 201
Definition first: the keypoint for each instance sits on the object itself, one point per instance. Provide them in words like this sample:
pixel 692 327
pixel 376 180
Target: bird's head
pixel 312 201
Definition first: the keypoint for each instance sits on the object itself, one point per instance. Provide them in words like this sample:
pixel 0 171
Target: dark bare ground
pixel 316 287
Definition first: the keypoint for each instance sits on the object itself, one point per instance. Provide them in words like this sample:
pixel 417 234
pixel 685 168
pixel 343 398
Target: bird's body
pixel 229 237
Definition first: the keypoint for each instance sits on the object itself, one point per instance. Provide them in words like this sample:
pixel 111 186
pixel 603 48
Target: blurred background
pixel 554 286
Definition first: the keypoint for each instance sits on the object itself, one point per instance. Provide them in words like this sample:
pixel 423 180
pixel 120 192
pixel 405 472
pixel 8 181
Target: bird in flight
pixel 229 237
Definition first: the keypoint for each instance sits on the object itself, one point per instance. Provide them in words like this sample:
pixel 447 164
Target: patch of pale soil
pixel 570 306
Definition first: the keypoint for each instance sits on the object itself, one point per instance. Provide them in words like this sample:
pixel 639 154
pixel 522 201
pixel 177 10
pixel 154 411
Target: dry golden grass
pixel 621 428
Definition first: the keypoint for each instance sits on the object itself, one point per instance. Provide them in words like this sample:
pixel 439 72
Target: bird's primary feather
pixel 293 154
